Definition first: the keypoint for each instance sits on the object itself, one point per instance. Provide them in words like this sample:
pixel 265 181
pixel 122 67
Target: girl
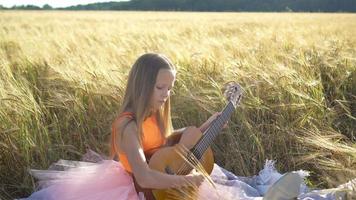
pixel 145 122
pixel 142 126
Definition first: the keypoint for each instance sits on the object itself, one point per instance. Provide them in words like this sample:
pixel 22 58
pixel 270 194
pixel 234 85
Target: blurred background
pixel 64 68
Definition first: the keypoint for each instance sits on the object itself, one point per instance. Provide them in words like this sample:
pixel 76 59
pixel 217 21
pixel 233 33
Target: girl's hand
pixel 208 122
pixel 193 179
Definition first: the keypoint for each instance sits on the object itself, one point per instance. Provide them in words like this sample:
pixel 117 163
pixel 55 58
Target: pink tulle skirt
pixel 106 179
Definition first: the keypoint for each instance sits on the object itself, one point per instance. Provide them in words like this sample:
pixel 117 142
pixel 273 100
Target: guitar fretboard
pixel 208 137
pixel 210 134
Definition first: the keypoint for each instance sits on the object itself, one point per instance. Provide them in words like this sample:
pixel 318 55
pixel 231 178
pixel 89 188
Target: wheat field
pixel 63 75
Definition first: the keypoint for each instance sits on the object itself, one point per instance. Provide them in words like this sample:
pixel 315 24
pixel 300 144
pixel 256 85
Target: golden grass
pixel 63 75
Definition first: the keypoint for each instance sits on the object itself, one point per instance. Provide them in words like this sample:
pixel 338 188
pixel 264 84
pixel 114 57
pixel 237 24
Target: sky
pixel 53 3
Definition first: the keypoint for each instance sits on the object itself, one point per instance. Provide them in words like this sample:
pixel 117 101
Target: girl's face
pixel 162 89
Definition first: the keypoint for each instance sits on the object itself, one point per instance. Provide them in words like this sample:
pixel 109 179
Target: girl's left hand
pixel 208 122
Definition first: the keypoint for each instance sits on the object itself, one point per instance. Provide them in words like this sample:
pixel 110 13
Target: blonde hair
pixel 139 91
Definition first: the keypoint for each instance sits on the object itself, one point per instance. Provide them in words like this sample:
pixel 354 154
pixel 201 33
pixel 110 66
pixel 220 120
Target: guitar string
pixel 228 110
pixel 209 137
pixel 226 113
pixel 219 125
pixel 185 168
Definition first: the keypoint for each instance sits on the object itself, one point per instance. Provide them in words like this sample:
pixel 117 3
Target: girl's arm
pixel 175 137
pixel 179 131
pixel 146 177
pixel 202 128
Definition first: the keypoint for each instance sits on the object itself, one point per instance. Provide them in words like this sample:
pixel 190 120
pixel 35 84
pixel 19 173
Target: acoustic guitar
pixel 169 160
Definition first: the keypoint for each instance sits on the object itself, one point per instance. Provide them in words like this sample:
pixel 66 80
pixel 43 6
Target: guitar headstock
pixel 233 93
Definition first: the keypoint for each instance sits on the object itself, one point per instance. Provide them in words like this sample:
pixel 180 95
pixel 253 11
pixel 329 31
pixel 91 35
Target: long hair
pixel 139 91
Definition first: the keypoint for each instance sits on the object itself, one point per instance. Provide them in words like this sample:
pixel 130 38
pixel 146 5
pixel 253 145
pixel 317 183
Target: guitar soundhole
pixel 168 170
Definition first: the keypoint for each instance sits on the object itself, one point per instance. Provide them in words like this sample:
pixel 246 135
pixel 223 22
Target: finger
pixel 225 125
pixel 215 115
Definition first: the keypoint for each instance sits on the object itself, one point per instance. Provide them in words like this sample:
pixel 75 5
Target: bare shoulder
pixel 123 123
pixel 128 128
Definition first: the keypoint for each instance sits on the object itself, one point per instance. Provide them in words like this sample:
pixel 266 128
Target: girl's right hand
pixel 193 179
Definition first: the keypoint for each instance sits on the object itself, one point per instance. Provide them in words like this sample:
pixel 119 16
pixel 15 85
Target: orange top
pixel 151 140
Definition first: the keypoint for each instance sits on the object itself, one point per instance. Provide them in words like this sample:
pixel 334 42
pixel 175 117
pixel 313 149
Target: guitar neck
pixel 210 134
pixel 234 94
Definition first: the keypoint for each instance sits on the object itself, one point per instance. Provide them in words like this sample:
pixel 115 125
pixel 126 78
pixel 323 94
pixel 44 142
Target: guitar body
pixel 168 157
